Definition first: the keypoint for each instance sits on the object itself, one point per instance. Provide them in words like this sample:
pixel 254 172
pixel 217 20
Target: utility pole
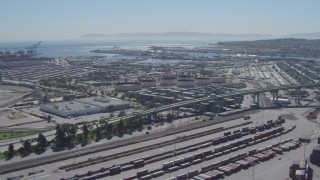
pixel 253 171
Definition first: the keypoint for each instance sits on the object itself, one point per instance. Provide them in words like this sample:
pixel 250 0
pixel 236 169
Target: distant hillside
pixel 282 47
pixel 188 35
pixel 304 35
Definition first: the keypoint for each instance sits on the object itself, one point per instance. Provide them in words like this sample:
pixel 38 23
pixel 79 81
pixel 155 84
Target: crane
pixel 34 46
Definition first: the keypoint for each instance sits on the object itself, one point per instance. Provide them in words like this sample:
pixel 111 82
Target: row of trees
pixel 27 148
pixel 67 134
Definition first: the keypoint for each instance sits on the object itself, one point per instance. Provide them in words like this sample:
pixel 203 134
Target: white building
pixel 83 107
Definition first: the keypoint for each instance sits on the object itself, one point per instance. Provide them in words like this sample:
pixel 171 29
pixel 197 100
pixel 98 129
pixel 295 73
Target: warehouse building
pixel 84 106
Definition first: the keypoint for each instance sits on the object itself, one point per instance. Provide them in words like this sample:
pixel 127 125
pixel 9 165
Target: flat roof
pixel 84 103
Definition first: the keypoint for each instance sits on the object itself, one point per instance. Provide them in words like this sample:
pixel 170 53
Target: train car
pixel 244 164
pixel 207 153
pixel 193 173
pixel 115 170
pixel 146 177
pixel 188 158
pixel 157 174
pixel 127 167
pixel 198 156
pixel 174 168
pixel 216 141
pixel 184 165
pixel 182 176
pixel 130 178
pixel 142 173
pixel 167 165
pixel 206 168
pixel 196 161
pixel 178 161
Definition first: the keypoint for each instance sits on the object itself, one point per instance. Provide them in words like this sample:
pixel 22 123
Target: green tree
pixel 49 118
pixel 42 141
pixel 85 131
pixel 169 117
pixel 120 127
pixel 60 136
pixel 27 146
pixel 46 97
pixel 21 151
pixel 110 129
pixel 111 115
pixel 157 98
pixel 122 113
pixel 80 138
pixel 73 131
pixel 98 134
pixel 10 150
pixel 129 125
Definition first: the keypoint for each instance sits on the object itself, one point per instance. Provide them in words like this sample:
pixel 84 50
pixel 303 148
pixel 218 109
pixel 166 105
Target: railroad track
pixel 254 140
pixel 146 148
pixel 24 164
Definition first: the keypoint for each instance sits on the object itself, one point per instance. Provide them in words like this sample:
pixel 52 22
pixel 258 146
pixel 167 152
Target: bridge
pixel 219 98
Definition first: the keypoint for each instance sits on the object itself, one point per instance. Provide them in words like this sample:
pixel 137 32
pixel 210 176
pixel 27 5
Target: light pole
pixel 253 170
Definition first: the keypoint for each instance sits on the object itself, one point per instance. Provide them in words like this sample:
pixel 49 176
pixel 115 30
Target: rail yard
pixel 229 149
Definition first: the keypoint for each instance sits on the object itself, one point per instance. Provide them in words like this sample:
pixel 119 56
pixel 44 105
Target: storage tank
pixel 168 81
pixel 185 83
pixel 127 86
pixel 202 81
pixel 147 83
pixel 218 79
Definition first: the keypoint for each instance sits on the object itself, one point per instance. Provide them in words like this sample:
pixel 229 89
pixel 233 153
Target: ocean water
pixel 83 47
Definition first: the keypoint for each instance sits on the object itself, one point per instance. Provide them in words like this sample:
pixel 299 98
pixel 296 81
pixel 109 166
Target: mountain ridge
pixel 184 34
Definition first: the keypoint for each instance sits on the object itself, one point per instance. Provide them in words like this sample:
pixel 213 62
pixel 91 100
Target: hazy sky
pixel 68 19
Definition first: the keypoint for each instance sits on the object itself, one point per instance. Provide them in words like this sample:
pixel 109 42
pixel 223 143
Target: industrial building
pixel 84 106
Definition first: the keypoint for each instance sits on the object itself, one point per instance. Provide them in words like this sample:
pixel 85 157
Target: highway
pixel 217 98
